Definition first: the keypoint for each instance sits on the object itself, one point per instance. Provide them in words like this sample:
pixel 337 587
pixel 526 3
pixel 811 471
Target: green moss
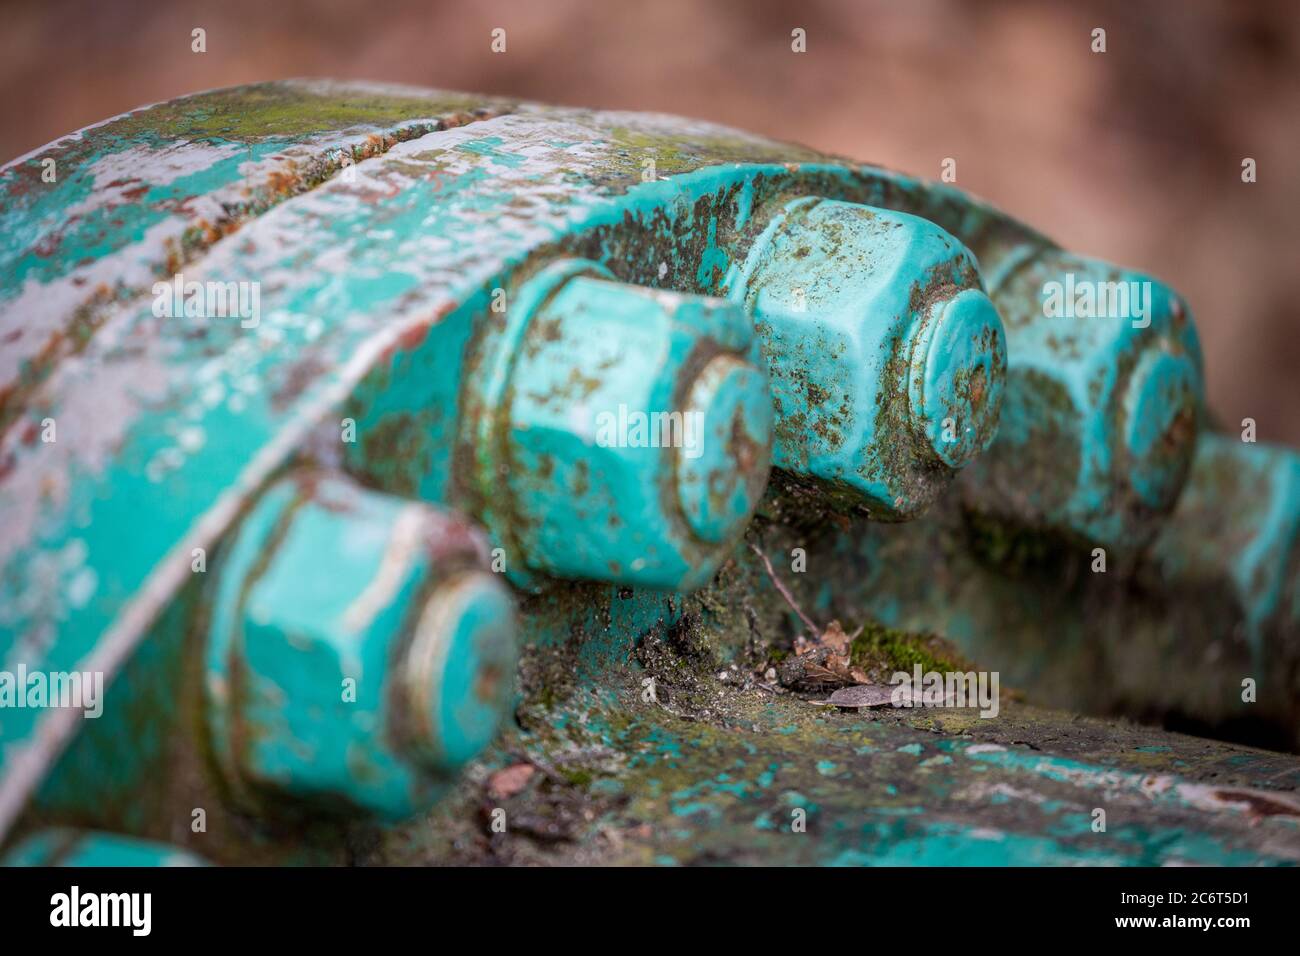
pixel 879 648
pixel 577 778
pixel 276 111
pixel 674 154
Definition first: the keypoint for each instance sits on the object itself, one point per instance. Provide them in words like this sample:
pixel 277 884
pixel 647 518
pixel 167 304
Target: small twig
pixel 813 629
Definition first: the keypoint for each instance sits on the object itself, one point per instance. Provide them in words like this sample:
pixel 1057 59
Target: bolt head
pixel 326 626
pixel 720 480
pixel 875 331
pixel 956 377
pixel 1104 394
pixel 1159 425
pixel 601 440
pixel 459 673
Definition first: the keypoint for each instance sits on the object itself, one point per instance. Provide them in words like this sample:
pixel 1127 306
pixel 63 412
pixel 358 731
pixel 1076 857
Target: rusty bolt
pixel 887 359
pixel 358 654
pixel 624 432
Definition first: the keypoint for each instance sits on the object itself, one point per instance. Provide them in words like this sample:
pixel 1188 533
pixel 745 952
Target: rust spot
pixel 742 447
pixel 1259 804
pixel 977 386
pixel 48 245
pixel 297 379
pixel 284 182
pixel 487 683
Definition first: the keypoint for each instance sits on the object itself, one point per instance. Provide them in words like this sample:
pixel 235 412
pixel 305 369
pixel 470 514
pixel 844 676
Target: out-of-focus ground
pixel 1133 155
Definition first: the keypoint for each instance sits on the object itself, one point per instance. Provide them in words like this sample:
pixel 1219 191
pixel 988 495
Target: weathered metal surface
pixel 631 784
pixel 137 197
pixel 376 312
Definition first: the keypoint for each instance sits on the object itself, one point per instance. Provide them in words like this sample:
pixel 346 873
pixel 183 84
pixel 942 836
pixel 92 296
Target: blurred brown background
pixel 1133 155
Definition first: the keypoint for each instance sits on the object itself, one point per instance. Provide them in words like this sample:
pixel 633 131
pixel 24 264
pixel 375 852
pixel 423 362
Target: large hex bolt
pixel 1100 417
pixel 887 359
pixel 622 434
pixel 1255 560
pixel 358 654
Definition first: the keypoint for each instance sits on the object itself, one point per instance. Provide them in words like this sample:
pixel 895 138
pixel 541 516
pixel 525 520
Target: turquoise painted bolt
pixel 887 359
pixel 623 433
pixel 1257 562
pixel 358 655
pixel 1103 392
